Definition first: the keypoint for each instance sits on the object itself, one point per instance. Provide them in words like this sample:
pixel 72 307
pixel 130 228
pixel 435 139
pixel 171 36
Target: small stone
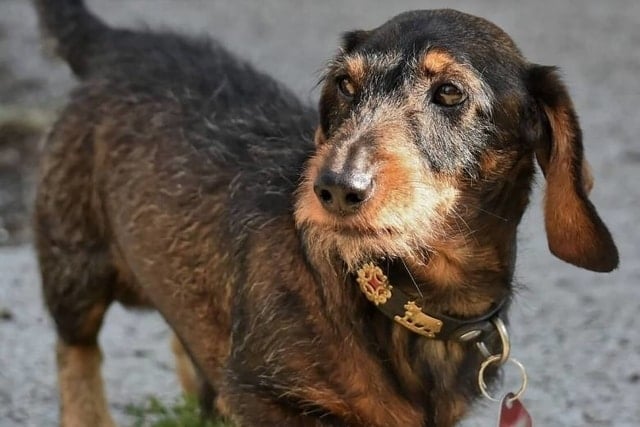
pixel 140 353
pixel 5 315
pixel 631 156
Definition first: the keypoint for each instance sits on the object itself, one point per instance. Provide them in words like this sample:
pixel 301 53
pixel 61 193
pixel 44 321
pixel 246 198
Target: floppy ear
pixel 575 232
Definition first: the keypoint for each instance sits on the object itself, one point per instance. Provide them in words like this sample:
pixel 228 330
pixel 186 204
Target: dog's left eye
pixel 449 95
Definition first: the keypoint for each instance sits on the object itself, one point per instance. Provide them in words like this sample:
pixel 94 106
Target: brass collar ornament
pixel 401 308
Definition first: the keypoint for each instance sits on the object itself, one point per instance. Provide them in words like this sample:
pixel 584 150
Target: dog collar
pixel 402 308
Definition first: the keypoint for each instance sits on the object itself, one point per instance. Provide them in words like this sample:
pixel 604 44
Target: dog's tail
pixel 74 31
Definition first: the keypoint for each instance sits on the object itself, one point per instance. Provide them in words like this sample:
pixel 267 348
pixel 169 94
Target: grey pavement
pixel 578 333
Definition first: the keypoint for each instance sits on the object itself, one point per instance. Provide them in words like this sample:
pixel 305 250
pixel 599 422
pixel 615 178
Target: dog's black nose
pixel 343 193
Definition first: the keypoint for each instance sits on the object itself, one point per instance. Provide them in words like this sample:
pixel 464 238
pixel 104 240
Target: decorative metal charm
pixel 417 321
pixel 374 284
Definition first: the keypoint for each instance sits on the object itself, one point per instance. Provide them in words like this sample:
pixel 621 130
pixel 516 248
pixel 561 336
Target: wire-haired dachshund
pixel 330 267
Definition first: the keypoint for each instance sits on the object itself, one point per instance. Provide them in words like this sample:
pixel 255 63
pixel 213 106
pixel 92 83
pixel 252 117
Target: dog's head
pixel 428 129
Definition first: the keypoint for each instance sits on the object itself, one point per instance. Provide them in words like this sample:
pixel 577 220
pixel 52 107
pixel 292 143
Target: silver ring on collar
pixel 483 385
pixel 505 341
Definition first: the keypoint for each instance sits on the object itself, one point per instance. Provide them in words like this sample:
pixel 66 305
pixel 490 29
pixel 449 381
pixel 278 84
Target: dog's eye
pixel 449 95
pixel 346 87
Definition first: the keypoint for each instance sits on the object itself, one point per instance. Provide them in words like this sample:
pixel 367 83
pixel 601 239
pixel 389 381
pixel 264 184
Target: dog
pixel 329 267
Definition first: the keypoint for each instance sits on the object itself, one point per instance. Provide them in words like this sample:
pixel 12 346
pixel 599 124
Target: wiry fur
pixel 180 178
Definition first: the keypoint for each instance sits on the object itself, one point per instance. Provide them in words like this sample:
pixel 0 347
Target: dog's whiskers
pixel 492 214
pixel 415 284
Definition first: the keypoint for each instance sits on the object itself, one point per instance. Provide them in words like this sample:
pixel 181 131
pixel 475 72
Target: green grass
pixel 183 413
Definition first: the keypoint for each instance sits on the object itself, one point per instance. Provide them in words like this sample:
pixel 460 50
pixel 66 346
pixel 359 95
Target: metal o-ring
pixel 504 339
pixel 483 384
pixel 505 342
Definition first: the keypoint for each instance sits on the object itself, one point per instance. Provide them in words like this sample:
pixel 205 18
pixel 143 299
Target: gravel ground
pixel 577 332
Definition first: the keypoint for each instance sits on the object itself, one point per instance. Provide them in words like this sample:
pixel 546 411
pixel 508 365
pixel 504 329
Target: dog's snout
pixel 343 193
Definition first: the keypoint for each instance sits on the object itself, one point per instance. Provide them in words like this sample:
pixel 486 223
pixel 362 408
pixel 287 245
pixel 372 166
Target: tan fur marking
pixel 319 137
pixel 448 267
pixel 489 162
pixel 356 68
pixel 456 408
pixel 83 402
pixel 436 61
pixel 443 270
pixel 222 406
pixel 93 320
pixel 406 372
pixel 587 177
pixel 497 166
pixel 184 368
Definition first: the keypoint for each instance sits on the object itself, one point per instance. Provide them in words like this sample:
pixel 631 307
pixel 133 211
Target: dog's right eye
pixel 346 87
pixel 449 95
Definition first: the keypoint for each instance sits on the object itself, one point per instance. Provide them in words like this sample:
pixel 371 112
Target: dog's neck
pixel 462 281
pixel 459 278
pixel 426 370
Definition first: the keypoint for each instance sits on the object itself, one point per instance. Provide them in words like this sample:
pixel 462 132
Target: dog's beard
pixel 354 249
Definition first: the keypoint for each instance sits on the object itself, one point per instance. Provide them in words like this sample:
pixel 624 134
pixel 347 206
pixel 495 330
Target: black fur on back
pixel 239 118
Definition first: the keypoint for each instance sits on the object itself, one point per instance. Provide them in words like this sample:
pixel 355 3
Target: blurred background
pixel 577 332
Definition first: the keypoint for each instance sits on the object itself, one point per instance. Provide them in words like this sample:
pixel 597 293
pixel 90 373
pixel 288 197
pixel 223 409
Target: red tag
pixel 513 413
